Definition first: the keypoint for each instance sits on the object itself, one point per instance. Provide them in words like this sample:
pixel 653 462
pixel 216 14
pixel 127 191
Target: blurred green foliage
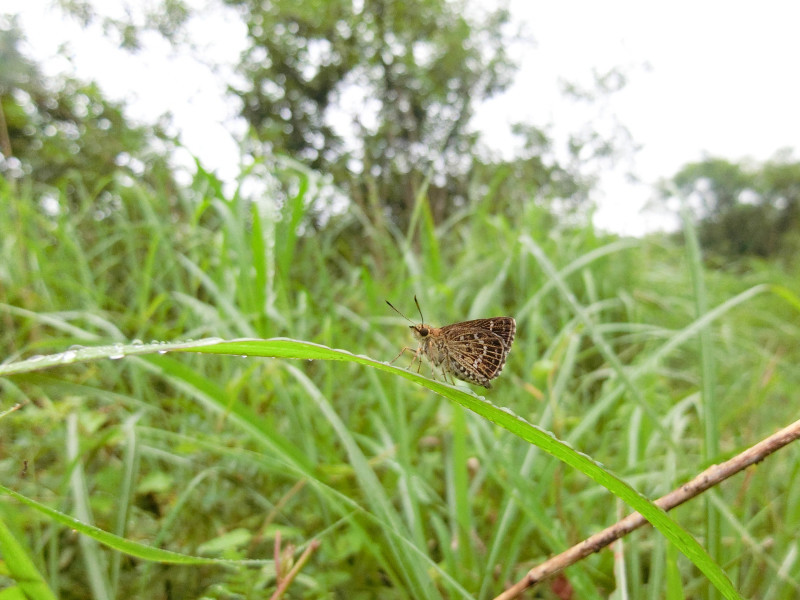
pixel 410 496
pixel 744 209
pixel 62 133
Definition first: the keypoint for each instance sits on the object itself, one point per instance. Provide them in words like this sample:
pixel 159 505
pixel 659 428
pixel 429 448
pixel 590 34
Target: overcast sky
pixel 714 77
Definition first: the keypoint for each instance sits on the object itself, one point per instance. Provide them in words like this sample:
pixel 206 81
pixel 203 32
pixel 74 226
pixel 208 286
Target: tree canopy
pixel 380 96
pixel 65 132
pixel 744 209
pixel 376 93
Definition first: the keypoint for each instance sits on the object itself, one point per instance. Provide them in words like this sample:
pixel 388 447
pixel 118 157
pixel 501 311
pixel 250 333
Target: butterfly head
pixel 421 331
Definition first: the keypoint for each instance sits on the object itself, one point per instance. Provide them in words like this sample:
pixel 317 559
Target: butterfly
pixel 473 351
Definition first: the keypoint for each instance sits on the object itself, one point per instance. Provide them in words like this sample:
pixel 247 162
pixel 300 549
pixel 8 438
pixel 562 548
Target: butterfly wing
pixel 505 327
pixel 477 350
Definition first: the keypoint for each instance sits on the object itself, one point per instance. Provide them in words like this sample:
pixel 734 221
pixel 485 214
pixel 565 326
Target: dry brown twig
pixel 283 582
pixel 704 481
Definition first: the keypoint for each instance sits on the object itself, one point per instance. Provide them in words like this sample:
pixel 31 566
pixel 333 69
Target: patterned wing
pixel 505 327
pixel 477 350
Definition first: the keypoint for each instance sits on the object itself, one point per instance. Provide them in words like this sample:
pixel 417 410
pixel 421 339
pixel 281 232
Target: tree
pixel 743 210
pixel 63 133
pixel 377 93
pixel 380 96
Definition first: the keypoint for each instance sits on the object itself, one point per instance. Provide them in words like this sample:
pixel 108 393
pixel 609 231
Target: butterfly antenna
pixel 398 312
pixel 422 319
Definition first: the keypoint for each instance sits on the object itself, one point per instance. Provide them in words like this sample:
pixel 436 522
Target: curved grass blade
pixel 295 349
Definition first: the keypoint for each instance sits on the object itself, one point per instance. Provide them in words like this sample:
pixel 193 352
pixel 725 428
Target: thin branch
pixel 277 556
pixel 704 481
pixel 286 582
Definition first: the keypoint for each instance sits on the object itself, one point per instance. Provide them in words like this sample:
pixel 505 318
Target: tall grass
pixel 410 496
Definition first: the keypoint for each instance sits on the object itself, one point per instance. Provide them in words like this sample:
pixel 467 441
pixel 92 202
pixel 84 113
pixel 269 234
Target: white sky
pixel 713 77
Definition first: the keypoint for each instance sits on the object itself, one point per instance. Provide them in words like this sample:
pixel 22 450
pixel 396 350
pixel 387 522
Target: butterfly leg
pixel 444 376
pixel 433 369
pixel 442 370
pixel 415 357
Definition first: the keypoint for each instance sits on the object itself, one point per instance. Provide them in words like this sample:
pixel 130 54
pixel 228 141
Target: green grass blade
pixel 21 568
pixel 119 543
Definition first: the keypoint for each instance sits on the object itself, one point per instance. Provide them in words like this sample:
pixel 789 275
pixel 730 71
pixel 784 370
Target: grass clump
pixel 627 350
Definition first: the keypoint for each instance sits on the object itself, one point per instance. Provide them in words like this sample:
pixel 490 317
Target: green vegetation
pixel 64 134
pixel 409 494
pixel 136 463
pixel 744 209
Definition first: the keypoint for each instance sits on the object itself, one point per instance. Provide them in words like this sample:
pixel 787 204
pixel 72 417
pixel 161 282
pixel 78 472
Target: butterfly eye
pixel 423 331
